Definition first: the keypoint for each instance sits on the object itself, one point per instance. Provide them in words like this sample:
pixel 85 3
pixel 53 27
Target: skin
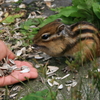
pixel 15 76
pixel 4 51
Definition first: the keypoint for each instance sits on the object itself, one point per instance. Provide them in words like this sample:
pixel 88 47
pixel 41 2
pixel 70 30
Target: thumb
pixel 10 54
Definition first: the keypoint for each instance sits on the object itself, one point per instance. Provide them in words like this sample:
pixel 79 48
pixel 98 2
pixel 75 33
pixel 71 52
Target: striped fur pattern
pixel 58 39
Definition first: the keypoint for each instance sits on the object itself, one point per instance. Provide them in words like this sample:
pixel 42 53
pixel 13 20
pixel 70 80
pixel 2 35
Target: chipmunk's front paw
pixel 69 69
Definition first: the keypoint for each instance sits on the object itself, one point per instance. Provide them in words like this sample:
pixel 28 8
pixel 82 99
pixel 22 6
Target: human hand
pixel 5 52
pixel 17 76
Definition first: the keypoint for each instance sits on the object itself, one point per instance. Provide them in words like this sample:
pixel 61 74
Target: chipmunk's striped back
pixel 83 28
pixel 84 33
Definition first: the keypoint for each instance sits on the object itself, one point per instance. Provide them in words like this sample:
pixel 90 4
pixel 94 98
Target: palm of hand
pixel 16 76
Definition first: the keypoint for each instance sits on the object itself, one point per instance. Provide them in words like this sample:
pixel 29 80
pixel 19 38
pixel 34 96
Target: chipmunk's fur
pixel 58 39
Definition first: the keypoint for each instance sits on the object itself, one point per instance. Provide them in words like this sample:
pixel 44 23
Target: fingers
pixel 16 76
pixel 33 72
pixel 4 51
pixel 10 54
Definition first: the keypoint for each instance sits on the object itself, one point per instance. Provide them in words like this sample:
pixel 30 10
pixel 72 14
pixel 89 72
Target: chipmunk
pixel 57 39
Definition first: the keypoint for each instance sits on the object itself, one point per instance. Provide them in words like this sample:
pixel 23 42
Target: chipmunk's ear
pixel 61 29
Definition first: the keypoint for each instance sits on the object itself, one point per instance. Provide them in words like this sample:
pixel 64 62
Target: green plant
pixel 41 95
pixel 28 31
pixel 11 18
pixel 76 63
pixel 87 10
pixel 17 9
pixel 95 75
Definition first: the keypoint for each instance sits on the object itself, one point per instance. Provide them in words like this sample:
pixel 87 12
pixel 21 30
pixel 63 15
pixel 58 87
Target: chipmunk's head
pixel 50 38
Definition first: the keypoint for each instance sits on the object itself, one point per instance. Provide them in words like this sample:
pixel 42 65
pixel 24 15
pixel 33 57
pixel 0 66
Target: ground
pixel 83 85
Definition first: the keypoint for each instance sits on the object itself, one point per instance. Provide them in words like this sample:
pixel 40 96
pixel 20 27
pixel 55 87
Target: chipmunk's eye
pixel 45 36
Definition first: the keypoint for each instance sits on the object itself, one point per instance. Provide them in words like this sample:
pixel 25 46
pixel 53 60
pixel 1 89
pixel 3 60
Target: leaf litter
pixel 11 23
pixel 17 40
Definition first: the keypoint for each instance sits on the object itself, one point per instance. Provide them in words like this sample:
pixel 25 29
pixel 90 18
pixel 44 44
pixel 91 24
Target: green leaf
pixel 68 11
pixel 41 95
pixel 84 4
pixel 81 10
pixel 23 31
pixel 49 19
pixel 26 25
pixel 96 9
pixel 58 9
pixel 64 12
pixel 11 18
